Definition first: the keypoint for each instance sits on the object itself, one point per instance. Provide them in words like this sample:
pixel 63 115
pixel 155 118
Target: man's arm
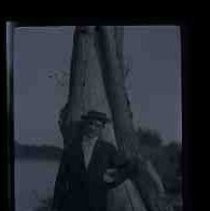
pixel 120 168
pixel 60 183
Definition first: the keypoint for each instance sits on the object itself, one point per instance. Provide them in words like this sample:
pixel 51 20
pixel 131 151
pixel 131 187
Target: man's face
pixel 93 128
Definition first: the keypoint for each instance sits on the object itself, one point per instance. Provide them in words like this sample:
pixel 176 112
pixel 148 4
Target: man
pixel 89 168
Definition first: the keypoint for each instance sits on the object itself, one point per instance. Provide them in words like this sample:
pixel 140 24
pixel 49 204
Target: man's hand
pixel 110 175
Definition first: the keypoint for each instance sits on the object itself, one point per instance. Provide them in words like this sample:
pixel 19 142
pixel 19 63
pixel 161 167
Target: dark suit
pixel 78 188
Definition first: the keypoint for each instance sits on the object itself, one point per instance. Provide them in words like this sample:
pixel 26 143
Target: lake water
pixel 34 181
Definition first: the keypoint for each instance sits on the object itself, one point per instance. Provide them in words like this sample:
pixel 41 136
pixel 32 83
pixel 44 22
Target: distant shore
pixel 37 152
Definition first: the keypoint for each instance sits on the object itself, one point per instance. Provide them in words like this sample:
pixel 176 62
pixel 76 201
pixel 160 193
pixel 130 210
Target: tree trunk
pixel 89 89
pixel 126 138
pixel 87 92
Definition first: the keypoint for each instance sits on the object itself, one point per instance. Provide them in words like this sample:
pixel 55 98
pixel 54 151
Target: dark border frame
pixel 186 25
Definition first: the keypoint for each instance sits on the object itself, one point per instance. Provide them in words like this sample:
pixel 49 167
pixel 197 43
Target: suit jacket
pixel 78 188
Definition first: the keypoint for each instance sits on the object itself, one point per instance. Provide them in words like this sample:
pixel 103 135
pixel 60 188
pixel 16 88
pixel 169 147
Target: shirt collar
pixel 89 140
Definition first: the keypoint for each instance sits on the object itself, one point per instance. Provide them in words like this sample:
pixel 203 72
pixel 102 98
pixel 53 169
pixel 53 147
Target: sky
pixel 154 82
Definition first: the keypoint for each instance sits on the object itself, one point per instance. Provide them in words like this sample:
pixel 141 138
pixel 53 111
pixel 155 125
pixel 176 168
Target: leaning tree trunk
pixel 145 180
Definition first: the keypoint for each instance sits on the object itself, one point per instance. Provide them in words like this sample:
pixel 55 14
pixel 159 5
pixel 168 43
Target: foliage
pixel 167 161
pixel 149 137
pixel 165 158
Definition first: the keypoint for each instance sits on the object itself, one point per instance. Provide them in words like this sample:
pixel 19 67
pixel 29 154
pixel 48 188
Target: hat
pixel 96 115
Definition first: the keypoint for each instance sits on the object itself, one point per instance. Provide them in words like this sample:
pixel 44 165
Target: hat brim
pixel 104 120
